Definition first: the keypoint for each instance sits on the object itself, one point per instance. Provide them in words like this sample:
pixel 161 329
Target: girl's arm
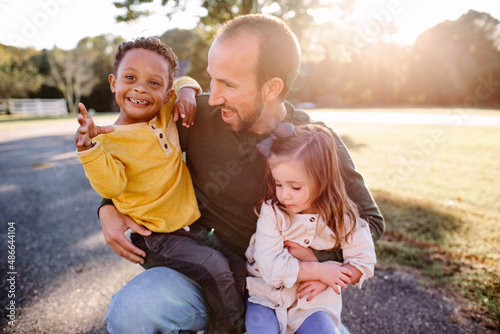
pixel 359 262
pixel 304 254
pixel 330 273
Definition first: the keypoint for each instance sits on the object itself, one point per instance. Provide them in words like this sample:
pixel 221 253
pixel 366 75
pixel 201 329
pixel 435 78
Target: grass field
pixel 438 186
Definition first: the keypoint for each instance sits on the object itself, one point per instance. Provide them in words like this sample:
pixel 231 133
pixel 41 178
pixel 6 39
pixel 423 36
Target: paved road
pixel 65 273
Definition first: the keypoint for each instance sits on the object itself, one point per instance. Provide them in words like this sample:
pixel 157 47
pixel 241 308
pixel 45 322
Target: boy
pixel 138 163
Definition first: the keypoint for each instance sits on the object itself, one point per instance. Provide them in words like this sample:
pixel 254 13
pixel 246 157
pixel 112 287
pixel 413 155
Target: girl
pixel 304 204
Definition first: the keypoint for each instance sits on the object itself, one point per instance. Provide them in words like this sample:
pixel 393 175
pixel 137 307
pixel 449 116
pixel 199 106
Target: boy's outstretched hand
pixel 88 130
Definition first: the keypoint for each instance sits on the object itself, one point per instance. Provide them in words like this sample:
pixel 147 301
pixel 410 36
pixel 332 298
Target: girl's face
pixel 140 85
pixel 293 187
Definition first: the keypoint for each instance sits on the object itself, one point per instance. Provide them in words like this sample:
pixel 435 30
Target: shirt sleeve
pixel 360 251
pixel 184 82
pixel 105 173
pixel 276 265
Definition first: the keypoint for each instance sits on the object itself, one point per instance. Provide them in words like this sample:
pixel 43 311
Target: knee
pixel 158 300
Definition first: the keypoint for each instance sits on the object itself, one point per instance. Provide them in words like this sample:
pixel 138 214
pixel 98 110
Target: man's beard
pixel 246 123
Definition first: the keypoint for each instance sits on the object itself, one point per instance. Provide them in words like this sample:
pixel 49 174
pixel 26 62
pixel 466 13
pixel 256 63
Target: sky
pixel 45 23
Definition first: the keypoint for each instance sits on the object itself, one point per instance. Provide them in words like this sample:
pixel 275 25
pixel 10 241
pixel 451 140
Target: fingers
pixel 123 247
pixel 83 110
pixel 138 228
pixel 189 116
pixel 176 112
pixel 313 294
pixel 104 129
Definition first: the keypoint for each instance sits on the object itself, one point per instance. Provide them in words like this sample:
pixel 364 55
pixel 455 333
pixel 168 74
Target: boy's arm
pixel 184 100
pixel 105 173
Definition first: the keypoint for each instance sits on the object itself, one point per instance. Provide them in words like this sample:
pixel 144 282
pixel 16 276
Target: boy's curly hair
pixel 153 44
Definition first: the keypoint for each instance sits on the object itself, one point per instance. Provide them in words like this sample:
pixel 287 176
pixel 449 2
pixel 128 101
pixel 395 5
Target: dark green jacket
pixel 228 172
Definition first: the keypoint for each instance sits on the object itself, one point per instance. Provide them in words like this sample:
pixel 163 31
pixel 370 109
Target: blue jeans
pixel 262 320
pixel 158 300
pixel 162 300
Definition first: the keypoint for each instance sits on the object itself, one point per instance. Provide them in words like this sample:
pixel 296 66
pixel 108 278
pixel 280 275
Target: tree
pixel 18 75
pixel 451 59
pixel 297 14
pixel 103 48
pixel 77 72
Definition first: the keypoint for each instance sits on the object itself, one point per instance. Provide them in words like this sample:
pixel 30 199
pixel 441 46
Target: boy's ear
pixel 273 88
pixel 170 93
pixel 112 82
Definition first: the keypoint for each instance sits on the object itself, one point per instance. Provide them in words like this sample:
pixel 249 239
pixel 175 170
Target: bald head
pixel 279 51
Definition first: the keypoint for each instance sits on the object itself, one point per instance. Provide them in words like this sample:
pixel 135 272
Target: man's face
pixel 232 65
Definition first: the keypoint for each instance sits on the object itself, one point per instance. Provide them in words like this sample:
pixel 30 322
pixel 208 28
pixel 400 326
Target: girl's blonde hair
pixel 313 148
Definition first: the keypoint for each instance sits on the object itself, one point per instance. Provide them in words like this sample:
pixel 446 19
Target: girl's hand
pixel 185 106
pixel 311 287
pixel 88 130
pixel 299 252
pixel 334 275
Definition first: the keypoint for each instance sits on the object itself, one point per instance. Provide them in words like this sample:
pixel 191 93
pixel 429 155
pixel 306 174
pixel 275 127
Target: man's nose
pixel 216 98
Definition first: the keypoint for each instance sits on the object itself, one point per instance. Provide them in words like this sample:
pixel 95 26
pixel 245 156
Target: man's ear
pixel 170 93
pixel 273 88
pixel 112 82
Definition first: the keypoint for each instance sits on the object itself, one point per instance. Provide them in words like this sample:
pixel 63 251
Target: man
pixel 252 63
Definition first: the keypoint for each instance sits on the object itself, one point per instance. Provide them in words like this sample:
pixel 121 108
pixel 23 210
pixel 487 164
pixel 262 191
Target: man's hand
pixel 88 130
pixel 114 225
pixel 185 106
pixel 312 287
pixel 299 252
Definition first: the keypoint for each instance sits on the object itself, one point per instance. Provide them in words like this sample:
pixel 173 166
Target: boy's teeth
pixel 138 101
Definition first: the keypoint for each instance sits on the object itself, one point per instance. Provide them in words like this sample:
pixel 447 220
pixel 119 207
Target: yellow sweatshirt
pixel 140 167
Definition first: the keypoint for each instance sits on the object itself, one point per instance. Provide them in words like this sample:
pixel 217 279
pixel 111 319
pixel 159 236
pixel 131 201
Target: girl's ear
pixel 273 88
pixel 170 92
pixel 112 82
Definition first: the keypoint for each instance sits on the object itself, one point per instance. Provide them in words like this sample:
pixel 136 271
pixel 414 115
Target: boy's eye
pixel 129 77
pixel 152 82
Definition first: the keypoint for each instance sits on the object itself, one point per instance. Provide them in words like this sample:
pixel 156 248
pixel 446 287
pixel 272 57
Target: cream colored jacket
pixel 273 271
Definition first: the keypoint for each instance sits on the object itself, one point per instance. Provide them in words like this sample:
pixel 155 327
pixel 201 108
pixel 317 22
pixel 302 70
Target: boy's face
pixel 140 85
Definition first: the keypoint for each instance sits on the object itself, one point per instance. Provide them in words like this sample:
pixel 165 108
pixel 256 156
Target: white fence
pixel 39 107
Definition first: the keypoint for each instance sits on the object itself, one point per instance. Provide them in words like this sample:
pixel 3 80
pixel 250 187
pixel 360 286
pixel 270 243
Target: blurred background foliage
pixel 345 63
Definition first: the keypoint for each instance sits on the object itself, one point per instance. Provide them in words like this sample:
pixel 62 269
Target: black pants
pixel 201 256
